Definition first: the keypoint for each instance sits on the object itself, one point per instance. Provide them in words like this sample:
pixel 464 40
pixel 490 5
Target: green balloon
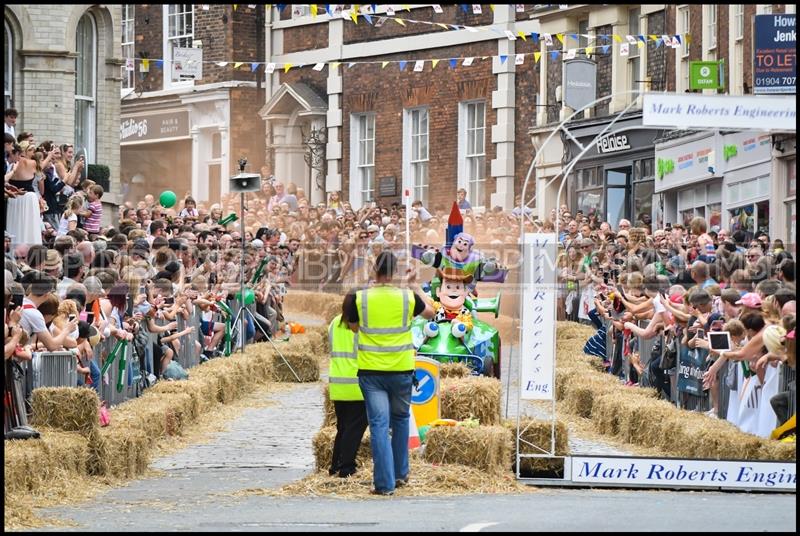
pixel 249 296
pixel 423 432
pixel 168 199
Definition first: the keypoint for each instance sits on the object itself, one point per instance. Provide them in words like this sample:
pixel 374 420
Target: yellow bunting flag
pixel 335 64
pixel 653 37
pixel 354 14
pixel 560 38
pixel 235 6
pixel 522 35
pixel 617 38
pixel 145 66
pixel 407 7
pixel 313 11
pixel 400 22
pixel 384 64
pixel 434 63
pixel 640 44
pixel 589 50
pixel 536 56
pixel 286 67
pixel 491 6
pixel 237 64
pixel 688 39
pixel 443 25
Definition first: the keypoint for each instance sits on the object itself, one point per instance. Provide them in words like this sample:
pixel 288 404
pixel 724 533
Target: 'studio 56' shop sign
pixel 154 127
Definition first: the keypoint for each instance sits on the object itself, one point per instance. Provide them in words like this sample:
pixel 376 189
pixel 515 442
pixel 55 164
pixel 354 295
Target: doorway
pixel 618 187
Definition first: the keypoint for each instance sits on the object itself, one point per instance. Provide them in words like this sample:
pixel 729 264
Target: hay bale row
pixel 572 330
pixel 454 370
pixel 778 450
pixel 474 396
pixel 313 303
pixel 323 448
pixel 66 408
pixel 31 465
pixel 118 453
pixel 487 448
pixel 536 433
pixel 329 411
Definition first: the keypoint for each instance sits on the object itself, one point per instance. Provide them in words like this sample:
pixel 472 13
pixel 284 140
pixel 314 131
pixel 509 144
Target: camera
pixel 242 163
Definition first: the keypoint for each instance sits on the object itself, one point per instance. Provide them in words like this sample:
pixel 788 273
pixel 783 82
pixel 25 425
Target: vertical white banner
pixel 537 357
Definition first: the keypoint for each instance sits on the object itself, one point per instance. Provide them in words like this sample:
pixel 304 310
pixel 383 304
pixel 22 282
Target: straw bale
pixel 154 415
pixel 319 337
pixel 693 435
pixel 475 396
pixel 454 370
pixel 487 448
pixel 564 375
pixel 329 410
pixel 646 421
pixel 121 452
pixel 229 374
pixel 313 303
pixel 72 409
pixel 572 330
pixel 203 391
pixel 537 432
pixel 323 449
pixel 305 365
pixel 606 409
pixel 772 449
pixel 32 465
pixel 581 389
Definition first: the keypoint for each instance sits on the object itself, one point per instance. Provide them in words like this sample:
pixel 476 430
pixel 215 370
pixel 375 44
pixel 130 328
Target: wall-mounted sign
pixel 706 75
pixel 580 83
pixel 613 143
pixel 720 111
pixel 664 167
pixel 775 54
pixel 187 64
pixel 151 127
pixel 387 186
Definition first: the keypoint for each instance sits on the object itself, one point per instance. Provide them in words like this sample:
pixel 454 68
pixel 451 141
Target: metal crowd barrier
pixel 55 369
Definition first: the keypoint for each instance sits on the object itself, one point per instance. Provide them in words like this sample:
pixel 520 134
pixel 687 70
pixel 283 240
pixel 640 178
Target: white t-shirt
pixel 32 320
pixel 63 225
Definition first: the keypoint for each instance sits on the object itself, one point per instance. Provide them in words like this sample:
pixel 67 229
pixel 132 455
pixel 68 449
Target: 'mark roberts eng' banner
pixel 539 317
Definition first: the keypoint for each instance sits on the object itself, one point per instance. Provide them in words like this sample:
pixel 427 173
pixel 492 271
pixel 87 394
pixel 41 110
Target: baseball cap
pixel 257 243
pixel 676 298
pixel 94 286
pixel 142 244
pixel 751 299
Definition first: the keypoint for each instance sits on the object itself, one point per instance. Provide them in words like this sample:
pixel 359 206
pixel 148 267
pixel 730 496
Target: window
pixel 472 151
pixel 583 41
pixel 791 204
pixel 362 158
pixel 85 85
pixel 634 57
pixel 128 76
pixel 179 32
pixel 683 24
pixel 8 81
pixel 643 190
pixel 590 192
pixel 711 25
pixel 416 127
pixel 738 22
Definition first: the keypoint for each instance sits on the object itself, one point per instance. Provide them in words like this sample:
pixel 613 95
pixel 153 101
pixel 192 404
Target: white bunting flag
pixel 270 68
pixel 510 35
pixel 520 8
pixel 129 64
pixel 206 7
pixel 468 61
pixel 319 66
pixel 631 39
pixel 390 11
pixel 571 53
pixel 519 59
pixel 380 21
pixel 548 39
pixel 419 65
pixel 624 49
pixel 476 9
pixel 438 8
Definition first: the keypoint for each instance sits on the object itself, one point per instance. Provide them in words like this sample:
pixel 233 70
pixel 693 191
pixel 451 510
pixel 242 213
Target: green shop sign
pixel 729 151
pixel 706 75
pixel 665 167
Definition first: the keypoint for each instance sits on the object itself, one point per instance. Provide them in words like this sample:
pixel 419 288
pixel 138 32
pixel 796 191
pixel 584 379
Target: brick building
pixel 181 133
pixel 62 74
pixel 388 129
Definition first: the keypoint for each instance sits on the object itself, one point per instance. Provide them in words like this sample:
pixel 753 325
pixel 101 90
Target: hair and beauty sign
pixel 677 473
pixel 775 54
pixel 154 127
pixel 539 317
pixel 720 111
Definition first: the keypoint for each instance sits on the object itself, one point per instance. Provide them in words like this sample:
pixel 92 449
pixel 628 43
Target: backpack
pixel 175 371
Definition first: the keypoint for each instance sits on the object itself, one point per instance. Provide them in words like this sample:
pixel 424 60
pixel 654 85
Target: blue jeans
pixel 388 399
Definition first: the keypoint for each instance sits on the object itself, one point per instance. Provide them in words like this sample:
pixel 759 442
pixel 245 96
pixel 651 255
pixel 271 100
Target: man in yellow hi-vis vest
pixel 351 414
pixel 382 317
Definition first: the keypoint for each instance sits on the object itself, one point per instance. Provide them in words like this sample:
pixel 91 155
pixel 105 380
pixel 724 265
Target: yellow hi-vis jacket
pixel 343 369
pixel 384 329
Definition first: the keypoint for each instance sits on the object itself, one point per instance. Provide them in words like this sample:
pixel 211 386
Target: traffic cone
pixel 413 433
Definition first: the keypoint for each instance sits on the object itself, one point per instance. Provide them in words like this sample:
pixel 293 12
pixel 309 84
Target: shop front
pixel 615 179
pixel 689 180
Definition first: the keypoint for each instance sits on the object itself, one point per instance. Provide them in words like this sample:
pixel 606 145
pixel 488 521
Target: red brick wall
pixel 227 35
pixel 722 42
pixel 388 91
pixel 308 37
pixel 527 87
pixel 604 68
pixel 749 21
pixel 671 13
pixel 452 14
pixel 247 128
pixel 696 32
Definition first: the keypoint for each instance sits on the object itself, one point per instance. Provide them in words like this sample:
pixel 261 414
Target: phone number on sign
pixel 777 81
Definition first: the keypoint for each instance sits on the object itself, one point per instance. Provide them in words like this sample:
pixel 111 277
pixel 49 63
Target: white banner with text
pixel 768 113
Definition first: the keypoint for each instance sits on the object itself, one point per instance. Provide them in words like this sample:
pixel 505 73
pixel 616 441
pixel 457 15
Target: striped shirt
pixel 92 224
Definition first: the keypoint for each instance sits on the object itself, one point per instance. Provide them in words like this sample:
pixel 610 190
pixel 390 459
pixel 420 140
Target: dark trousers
pixel 351 421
